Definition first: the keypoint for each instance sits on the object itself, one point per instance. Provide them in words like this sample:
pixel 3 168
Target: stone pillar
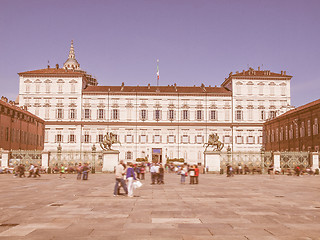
pixel 45 160
pixel 276 161
pixel 110 160
pixel 212 161
pixel 5 159
pixel 314 160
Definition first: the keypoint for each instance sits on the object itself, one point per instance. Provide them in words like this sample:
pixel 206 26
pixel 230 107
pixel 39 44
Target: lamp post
pixel 94 149
pixel 262 158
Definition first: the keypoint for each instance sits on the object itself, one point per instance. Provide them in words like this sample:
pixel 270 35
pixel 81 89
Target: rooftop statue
pixel 214 142
pixel 108 140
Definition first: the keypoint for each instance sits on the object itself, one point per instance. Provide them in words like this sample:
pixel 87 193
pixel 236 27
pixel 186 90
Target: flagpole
pixel 158 74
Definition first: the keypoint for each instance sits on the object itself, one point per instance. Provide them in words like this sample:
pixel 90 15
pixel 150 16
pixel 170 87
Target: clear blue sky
pixel 197 41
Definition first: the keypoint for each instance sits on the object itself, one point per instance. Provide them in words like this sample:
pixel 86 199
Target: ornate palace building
pixel 153 122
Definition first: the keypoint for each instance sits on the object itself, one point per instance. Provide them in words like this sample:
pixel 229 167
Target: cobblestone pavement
pixel 241 207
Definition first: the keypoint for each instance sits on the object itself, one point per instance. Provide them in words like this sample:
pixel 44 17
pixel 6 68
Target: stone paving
pixel 241 207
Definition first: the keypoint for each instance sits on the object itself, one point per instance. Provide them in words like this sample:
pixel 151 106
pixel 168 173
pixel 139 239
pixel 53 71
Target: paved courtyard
pixel 242 207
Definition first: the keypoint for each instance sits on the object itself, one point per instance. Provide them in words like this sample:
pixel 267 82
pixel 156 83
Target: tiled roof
pixel 303 107
pixel 53 71
pixel 16 108
pixel 159 89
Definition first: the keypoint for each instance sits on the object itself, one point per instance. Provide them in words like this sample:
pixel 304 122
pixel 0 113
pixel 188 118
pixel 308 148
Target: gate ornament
pixel 214 142
pixel 108 140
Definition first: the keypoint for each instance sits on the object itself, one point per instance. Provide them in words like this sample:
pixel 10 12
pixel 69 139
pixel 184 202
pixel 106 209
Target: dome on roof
pixel 71 62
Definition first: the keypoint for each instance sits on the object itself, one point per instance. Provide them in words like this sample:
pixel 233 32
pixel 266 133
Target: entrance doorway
pixel 157 155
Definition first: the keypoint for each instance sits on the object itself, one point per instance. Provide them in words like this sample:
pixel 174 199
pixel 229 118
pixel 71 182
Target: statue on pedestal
pixel 108 140
pixel 214 142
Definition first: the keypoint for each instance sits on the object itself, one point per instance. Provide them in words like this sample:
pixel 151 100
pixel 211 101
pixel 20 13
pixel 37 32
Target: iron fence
pixel 71 158
pixel 26 157
pixel 294 159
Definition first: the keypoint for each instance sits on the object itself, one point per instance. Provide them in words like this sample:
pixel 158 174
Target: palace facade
pixel 153 122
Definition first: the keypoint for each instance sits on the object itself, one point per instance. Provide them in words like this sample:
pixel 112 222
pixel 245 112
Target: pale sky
pixel 196 41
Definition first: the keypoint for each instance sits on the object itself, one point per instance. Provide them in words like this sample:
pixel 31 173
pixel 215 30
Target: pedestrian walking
pixel 62 171
pixel 192 174
pixel 161 174
pixel 79 171
pixel 85 171
pixel 36 171
pixel 130 177
pixel 183 173
pixel 120 172
pixel 142 171
pixel 22 169
pixel 31 170
pixel 153 173
pixel 196 176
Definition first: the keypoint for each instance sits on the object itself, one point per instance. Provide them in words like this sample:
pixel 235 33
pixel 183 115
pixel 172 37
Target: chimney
pixel 285 73
pixel 281 72
pixel 175 85
pixel 149 86
pixel 57 66
pixel 259 68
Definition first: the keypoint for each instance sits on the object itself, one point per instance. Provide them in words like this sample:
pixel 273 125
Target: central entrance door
pixel 157 155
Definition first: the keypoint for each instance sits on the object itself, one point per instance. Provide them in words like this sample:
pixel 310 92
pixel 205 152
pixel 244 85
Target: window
pixel 129 139
pixel 59 138
pixel 114 114
pixel 100 113
pixel 199 139
pixel 302 131
pixel 72 138
pixel 73 88
pixel 157 115
pixel 199 115
pixel 227 139
pixel 185 139
pixel 128 155
pixel 283 90
pixel 47 87
pixel 286 133
pixel 171 139
pixel 27 87
pixel 143 114
pixel 272 90
pixel 100 138
pixel 87 138
pixel 60 87
pixel 272 114
pixel 185 115
pixel 263 115
pixel 157 139
pixel 260 139
pixel 239 139
pixel 59 113
pixel 87 114
pixel 250 114
pixel 309 128
pixel 37 87
pixel 213 115
pixel 291 132
pixel 72 113
pixel 239 115
pixel 171 115
pixel 143 139
pixel 250 140
pixel 315 127
pixel 281 134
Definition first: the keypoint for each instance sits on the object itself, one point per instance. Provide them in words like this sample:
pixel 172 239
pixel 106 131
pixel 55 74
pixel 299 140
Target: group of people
pixel 82 171
pixel 34 171
pixel 192 171
pixel 128 172
pixel 157 173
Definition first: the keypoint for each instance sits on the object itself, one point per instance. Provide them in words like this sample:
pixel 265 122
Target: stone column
pixel 276 161
pixel 212 161
pixel 45 160
pixel 5 158
pixel 110 160
pixel 314 160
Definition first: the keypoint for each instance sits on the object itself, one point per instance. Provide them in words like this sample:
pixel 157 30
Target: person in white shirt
pixel 120 172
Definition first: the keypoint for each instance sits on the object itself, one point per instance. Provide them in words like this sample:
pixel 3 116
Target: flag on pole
pixel 158 73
